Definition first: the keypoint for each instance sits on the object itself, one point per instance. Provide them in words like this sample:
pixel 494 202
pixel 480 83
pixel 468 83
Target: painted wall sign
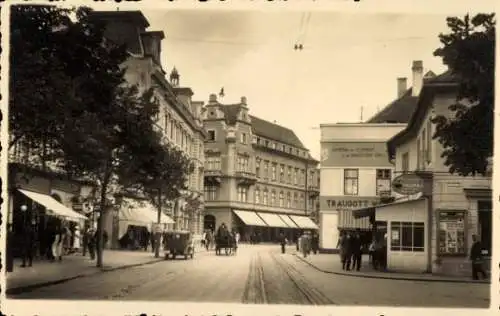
pixel 347 202
pixel 354 154
pixel 408 184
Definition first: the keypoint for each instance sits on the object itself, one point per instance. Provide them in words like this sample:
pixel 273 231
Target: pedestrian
pixel 57 245
pixel 315 243
pixel 283 242
pixel 77 240
pixel 347 253
pixel 305 244
pixel 371 253
pixel 476 258
pixel 51 237
pixel 297 241
pixel 85 239
pixel 28 245
pixel 91 242
pixel 237 236
pixel 356 251
pixel 340 245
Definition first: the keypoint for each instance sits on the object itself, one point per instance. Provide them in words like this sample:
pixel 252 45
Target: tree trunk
pixel 100 222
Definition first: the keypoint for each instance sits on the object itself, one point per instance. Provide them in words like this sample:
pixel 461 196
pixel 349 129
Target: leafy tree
pixel 69 95
pixel 469 52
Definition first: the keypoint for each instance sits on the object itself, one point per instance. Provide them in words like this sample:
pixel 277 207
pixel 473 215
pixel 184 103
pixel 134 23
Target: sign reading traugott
pixel 354 154
pixel 347 202
pixel 408 184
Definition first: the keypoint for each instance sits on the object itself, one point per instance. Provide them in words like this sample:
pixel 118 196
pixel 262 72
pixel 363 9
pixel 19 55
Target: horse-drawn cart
pixel 225 240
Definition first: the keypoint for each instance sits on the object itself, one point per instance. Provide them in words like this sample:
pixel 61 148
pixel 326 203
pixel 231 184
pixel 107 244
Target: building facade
pixel 178 119
pixel 355 172
pixel 449 209
pixel 259 178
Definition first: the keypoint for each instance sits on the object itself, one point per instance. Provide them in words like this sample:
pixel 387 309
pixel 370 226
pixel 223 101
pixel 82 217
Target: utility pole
pixel 158 227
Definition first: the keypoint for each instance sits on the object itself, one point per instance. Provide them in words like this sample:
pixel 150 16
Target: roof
pixel 276 132
pixel 398 111
pixel 135 16
pixel 447 80
pixel 231 112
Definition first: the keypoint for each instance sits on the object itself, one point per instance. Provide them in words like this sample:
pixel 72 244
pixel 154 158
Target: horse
pixel 224 239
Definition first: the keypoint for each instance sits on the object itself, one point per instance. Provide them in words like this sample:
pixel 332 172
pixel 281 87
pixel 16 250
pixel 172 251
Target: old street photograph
pixel 281 157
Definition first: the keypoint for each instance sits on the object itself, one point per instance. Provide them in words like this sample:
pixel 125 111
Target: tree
pixel 79 105
pixel 469 52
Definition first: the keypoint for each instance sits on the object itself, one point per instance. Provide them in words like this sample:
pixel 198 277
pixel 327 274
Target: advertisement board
pixel 347 202
pixel 354 154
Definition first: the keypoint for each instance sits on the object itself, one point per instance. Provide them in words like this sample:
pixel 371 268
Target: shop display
pixel 452 233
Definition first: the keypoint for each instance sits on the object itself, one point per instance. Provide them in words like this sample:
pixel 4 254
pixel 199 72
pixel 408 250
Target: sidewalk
pixel 44 273
pixel 330 263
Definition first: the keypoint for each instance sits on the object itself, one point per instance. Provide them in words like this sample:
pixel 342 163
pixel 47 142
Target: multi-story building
pixel 447 210
pixel 259 177
pixel 355 171
pixel 178 119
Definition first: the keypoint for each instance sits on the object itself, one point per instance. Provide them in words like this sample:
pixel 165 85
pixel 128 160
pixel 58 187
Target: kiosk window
pixel 407 236
pixel 452 233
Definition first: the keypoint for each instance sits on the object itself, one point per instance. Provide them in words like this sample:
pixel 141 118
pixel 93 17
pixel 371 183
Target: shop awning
pixel 288 221
pixel 52 205
pixel 142 212
pixel 370 211
pixel 272 220
pixel 303 222
pixel 250 218
pixel 364 212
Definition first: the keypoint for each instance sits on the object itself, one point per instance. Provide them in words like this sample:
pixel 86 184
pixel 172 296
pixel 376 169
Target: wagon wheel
pixel 228 251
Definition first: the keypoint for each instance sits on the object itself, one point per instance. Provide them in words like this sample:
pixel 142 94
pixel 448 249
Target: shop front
pixel 134 223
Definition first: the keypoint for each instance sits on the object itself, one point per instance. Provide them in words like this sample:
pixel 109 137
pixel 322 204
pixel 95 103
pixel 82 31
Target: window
pixel 295 200
pixel 310 178
pixel 211 136
pixel 242 163
pixel 282 173
pixel 257 167
pixel 267 143
pixel 242 194
pixel 258 140
pixel 273 146
pixel 273 172
pixel 301 200
pixel 288 199
pixel 282 199
pixel 178 134
pixel 452 233
pixel 290 150
pixel 419 151
pixel 350 181
pixel 283 147
pixel 289 174
pixel 243 138
pixel 213 163
pixel 210 192
pixel 383 181
pixel 405 162
pixel 273 198
pixel 167 121
pixel 266 169
pixel 302 177
pixel 257 196
pixel 264 197
pixel 295 175
pixel 407 236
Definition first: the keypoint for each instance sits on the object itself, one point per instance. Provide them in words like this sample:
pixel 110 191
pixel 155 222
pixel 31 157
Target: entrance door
pixel 209 222
pixel 485 218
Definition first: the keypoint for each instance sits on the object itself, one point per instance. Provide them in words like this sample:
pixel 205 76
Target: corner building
pixel 259 177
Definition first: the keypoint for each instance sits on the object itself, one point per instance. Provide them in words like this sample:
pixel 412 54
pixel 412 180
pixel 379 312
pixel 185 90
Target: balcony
pixel 245 177
pixel 313 190
pixel 213 176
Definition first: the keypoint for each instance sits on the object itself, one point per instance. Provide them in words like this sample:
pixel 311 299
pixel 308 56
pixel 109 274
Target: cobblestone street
pixel 258 274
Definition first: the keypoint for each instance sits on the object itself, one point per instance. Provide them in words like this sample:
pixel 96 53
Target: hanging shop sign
pixel 408 184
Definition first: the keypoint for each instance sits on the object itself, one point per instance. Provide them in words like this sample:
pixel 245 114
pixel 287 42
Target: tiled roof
pixel 276 132
pixel 398 111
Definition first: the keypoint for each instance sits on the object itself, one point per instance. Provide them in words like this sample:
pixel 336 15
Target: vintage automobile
pixel 178 243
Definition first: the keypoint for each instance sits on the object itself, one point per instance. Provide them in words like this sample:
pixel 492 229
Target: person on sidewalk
pixel 347 252
pixel 50 238
pixel 315 242
pixel 77 240
pixel 476 258
pixel 283 242
pixel 305 244
pixel 28 246
pixel 371 253
pixel 340 246
pixel 91 242
pixel 356 251
pixel 58 244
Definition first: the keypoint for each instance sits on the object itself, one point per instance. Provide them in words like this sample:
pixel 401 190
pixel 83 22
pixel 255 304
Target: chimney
pixel 402 86
pixel 151 42
pixel 243 101
pixel 418 77
pixel 212 99
pixel 196 108
pixel 184 95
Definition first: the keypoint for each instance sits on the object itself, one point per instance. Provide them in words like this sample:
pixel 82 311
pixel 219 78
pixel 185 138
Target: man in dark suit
pixel 476 258
pixel 28 245
pixel 356 251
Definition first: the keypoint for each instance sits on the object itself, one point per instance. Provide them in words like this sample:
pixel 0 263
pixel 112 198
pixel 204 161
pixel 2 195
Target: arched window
pixel 257 196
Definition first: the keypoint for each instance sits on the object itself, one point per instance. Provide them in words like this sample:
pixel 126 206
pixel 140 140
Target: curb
pixel 367 276
pixel 32 287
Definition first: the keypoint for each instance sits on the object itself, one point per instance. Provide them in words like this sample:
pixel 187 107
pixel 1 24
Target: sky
pixel 349 63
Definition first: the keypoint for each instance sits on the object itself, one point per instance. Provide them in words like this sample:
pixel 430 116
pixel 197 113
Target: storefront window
pixel 407 236
pixel 452 233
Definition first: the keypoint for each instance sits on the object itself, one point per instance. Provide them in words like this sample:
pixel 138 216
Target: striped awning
pixel 288 221
pixel 250 218
pixel 303 222
pixel 348 220
pixel 273 220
